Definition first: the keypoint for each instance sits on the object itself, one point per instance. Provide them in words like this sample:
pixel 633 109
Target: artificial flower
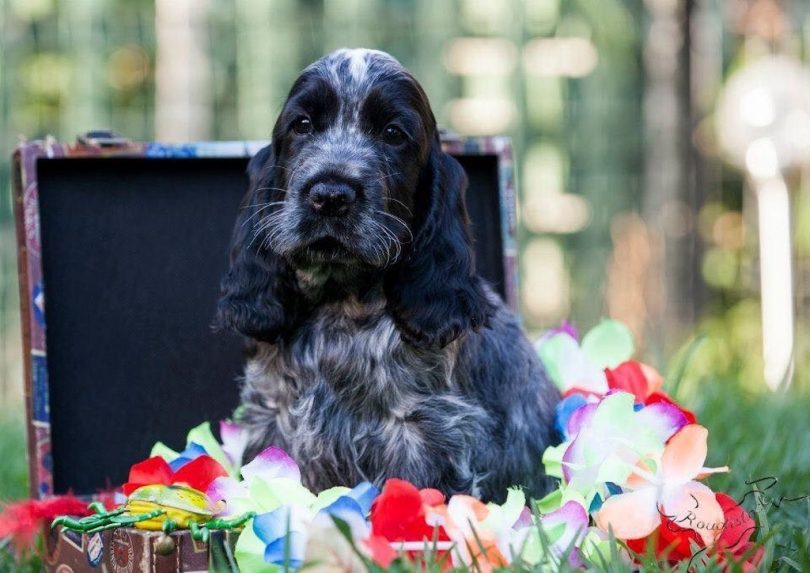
pixel 271 486
pixel 475 543
pixel 234 441
pixel 197 474
pixel 191 453
pixel 609 439
pixel 201 441
pixel 669 541
pixel 659 397
pixel 402 513
pixel 271 480
pixel 569 367
pixel 562 530
pixel 285 532
pixel 22 521
pixel 635 378
pixel 734 543
pixel 579 368
pixel 669 489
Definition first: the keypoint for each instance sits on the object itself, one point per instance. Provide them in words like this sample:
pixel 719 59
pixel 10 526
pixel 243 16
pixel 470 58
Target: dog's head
pixel 355 184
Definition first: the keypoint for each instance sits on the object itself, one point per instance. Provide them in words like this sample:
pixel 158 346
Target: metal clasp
pixel 103 138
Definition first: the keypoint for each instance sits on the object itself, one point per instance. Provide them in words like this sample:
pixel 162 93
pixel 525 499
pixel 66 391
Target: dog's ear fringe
pixel 434 293
pixel 257 294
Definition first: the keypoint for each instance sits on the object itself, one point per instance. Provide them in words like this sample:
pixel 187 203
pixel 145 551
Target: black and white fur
pixel 377 351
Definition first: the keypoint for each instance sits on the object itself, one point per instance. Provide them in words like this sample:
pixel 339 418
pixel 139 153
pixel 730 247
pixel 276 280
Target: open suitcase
pixel 121 249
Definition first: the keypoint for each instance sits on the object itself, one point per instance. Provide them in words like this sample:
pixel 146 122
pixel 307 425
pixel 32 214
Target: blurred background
pixel 627 206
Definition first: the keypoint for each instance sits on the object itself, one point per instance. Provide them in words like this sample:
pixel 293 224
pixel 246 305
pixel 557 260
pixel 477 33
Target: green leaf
pixel 608 344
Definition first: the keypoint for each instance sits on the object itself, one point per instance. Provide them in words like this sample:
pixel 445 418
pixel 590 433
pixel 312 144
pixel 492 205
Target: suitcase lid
pixel 129 241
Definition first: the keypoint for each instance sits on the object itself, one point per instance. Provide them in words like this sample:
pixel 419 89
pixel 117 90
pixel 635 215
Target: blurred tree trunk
pixel 182 78
pixel 671 198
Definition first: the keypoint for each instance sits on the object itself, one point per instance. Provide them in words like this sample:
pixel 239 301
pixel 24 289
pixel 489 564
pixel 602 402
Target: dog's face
pixel 350 143
pixel 355 184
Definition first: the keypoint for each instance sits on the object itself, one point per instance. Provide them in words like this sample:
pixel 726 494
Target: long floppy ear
pixel 434 293
pixel 258 292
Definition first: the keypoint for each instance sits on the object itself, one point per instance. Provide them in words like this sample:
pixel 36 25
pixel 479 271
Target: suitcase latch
pixel 103 138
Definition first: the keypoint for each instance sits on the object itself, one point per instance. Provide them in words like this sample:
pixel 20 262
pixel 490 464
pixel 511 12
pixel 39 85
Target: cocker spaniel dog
pixel 376 350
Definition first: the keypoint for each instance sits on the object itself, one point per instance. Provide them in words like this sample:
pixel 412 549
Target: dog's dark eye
pixel 302 125
pixel 393 135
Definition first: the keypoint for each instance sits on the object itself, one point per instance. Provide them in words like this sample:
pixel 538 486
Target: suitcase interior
pixel 132 253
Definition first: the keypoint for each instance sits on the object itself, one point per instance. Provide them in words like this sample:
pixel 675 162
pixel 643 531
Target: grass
pixel 13 466
pixel 758 434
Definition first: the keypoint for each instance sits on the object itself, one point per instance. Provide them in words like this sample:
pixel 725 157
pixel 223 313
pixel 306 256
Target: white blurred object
pixel 766 100
pixel 763 127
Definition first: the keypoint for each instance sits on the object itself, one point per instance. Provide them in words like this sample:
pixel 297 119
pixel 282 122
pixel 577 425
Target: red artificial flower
pixel 629 377
pixel 674 543
pixel 197 474
pixel 735 539
pixel 24 520
pixel 399 512
pixel 670 541
pixel 381 551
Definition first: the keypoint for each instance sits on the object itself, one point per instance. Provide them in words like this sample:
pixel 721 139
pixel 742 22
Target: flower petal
pixel 631 515
pixel 164 451
pixel 659 422
pixel 272 525
pixel 364 494
pixel 151 471
pixel 398 513
pixel 328 497
pixel 568 366
pixel 288 550
pixel 203 436
pixel 574 518
pixel 381 551
pixel 199 473
pixel 249 550
pixel 660 397
pixel 270 464
pixel 566 409
pixel 275 524
pixel 234 441
pixel 192 452
pixel 608 344
pixel 565 328
pixel 628 376
pixel 684 454
pixel 233 493
pixel 654 379
pixel 431 496
pixel 694 506
pixel 738 526
pixel 268 495
pixel 502 518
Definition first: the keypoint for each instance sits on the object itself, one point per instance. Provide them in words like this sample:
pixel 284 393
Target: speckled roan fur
pixel 386 356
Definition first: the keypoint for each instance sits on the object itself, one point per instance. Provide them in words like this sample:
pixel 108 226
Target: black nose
pixel 331 198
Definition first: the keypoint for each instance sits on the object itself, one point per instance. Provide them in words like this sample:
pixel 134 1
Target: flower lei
pixel 629 467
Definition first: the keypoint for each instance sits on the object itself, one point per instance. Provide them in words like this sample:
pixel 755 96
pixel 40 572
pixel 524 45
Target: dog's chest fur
pixel 351 401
